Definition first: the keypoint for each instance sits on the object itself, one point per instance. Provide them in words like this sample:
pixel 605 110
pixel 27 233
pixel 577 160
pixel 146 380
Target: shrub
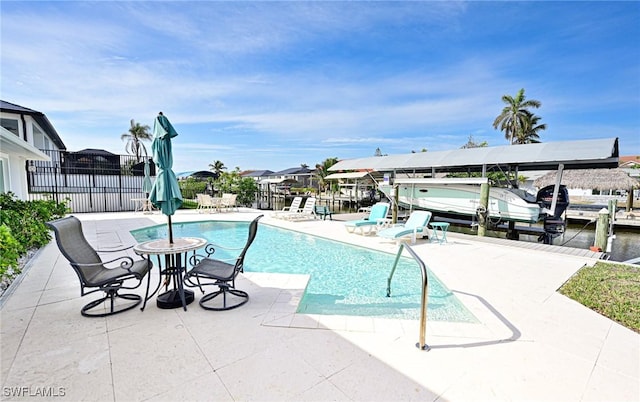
pixel 24 222
pixel 247 189
pixel 231 182
pixel 191 186
pixel 10 252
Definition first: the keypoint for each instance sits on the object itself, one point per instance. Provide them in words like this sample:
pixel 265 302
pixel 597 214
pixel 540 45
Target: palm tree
pixel 137 133
pixel 217 167
pixel 514 115
pixel 471 143
pixel 322 171
pixel 529 132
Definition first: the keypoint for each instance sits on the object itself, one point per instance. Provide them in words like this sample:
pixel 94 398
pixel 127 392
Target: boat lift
pixel 581 154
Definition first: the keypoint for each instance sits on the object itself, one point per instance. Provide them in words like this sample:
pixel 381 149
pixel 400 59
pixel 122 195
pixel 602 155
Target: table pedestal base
pixel 171 299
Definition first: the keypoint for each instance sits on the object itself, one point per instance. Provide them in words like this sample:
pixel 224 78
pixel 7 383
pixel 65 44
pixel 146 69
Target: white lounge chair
pixel 308 211
pixel 207 203
pixel 228 202
pixel 200 200
pixel 416 224
pixel 377 215
pixel 294 207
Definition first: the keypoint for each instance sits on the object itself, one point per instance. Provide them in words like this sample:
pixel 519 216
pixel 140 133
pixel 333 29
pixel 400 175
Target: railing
pixel 425 293
pixel 91 182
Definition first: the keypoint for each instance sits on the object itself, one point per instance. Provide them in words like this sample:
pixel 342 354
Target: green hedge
pixel 191 186
pixel 22 228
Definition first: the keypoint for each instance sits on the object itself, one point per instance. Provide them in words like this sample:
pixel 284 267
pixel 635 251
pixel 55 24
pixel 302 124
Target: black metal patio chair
pixel 105 276
pixel 222 274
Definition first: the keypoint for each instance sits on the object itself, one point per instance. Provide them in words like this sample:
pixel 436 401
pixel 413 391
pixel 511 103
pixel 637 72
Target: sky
pixel 274 85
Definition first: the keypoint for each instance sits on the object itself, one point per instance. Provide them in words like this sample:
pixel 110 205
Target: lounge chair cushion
pixel 417 223
pixel 378 211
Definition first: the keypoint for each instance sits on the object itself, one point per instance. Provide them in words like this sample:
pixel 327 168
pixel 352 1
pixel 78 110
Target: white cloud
pixel 234 73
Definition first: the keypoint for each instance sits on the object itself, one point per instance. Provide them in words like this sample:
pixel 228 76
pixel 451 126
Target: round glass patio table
pixel 175 261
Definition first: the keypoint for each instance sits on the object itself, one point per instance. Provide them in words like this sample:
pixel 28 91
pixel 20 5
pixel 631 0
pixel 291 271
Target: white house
pixel 23 134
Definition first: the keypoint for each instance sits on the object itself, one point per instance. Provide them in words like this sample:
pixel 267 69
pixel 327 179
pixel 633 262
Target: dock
pixel 578 252
pixel 623 218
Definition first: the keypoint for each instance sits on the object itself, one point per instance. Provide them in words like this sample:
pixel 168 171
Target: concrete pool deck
pixel 531 343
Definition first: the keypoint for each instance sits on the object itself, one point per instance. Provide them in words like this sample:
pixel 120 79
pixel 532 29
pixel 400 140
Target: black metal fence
pixel 91 181
pixel 104 182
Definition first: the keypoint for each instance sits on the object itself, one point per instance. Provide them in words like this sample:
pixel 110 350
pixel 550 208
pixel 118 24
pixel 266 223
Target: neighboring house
pixel 23 134
pixel 599 192
pixel 98 161
pixel 631 165
pixel 629 162
pixel 303 177
pixel 257 175
pixel 283 180
pixel 35 164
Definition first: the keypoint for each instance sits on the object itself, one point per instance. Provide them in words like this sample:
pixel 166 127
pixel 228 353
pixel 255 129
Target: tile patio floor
pixel 532 344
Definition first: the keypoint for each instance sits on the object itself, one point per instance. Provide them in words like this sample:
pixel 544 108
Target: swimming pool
pixel 344 279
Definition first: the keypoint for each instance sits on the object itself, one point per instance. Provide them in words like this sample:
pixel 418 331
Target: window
pixel 38 139
pixel 10 125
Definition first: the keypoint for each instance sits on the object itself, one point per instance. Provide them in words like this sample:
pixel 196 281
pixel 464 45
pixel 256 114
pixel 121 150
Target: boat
pixel 461 197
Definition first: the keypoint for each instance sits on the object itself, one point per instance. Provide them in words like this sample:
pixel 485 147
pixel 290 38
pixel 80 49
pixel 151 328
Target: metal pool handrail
pixel 423 301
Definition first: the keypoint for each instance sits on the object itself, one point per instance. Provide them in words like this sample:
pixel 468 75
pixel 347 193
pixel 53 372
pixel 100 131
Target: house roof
pixel 204 174
pixel 39 117
pixel 629 160
pixel 184 175
pixel 258 173
pixel 539 156
pixel 350 175
pixel 277 181
pixel 92 151
pixel 292 171
pixel 597 179
pixel 197 174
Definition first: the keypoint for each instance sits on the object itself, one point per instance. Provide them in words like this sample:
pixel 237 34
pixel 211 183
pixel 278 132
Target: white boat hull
pixel 460 199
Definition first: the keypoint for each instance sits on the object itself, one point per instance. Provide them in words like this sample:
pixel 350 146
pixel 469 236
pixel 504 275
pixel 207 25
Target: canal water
pixel 625 246
pixel 582 235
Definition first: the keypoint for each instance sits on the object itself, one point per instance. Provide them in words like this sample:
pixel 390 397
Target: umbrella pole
pixel 170 229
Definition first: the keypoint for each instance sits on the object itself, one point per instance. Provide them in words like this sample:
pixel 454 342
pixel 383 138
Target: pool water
pixel 344 279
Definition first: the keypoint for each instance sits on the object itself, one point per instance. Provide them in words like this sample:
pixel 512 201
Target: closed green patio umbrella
pixel 165 193
pixel 146 181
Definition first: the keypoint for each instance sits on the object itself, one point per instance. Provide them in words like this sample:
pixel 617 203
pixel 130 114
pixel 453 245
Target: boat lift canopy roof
pixel 461 180
pixel 350 175
pixel 583 154
pixel 278 181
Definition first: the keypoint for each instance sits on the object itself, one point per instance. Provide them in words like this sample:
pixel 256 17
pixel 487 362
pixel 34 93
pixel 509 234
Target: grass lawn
pixel 612 290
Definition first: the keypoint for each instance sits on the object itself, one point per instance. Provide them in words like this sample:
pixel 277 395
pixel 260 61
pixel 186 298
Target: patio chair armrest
pixel 196 259
pixel 210 249
pixel 124 261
